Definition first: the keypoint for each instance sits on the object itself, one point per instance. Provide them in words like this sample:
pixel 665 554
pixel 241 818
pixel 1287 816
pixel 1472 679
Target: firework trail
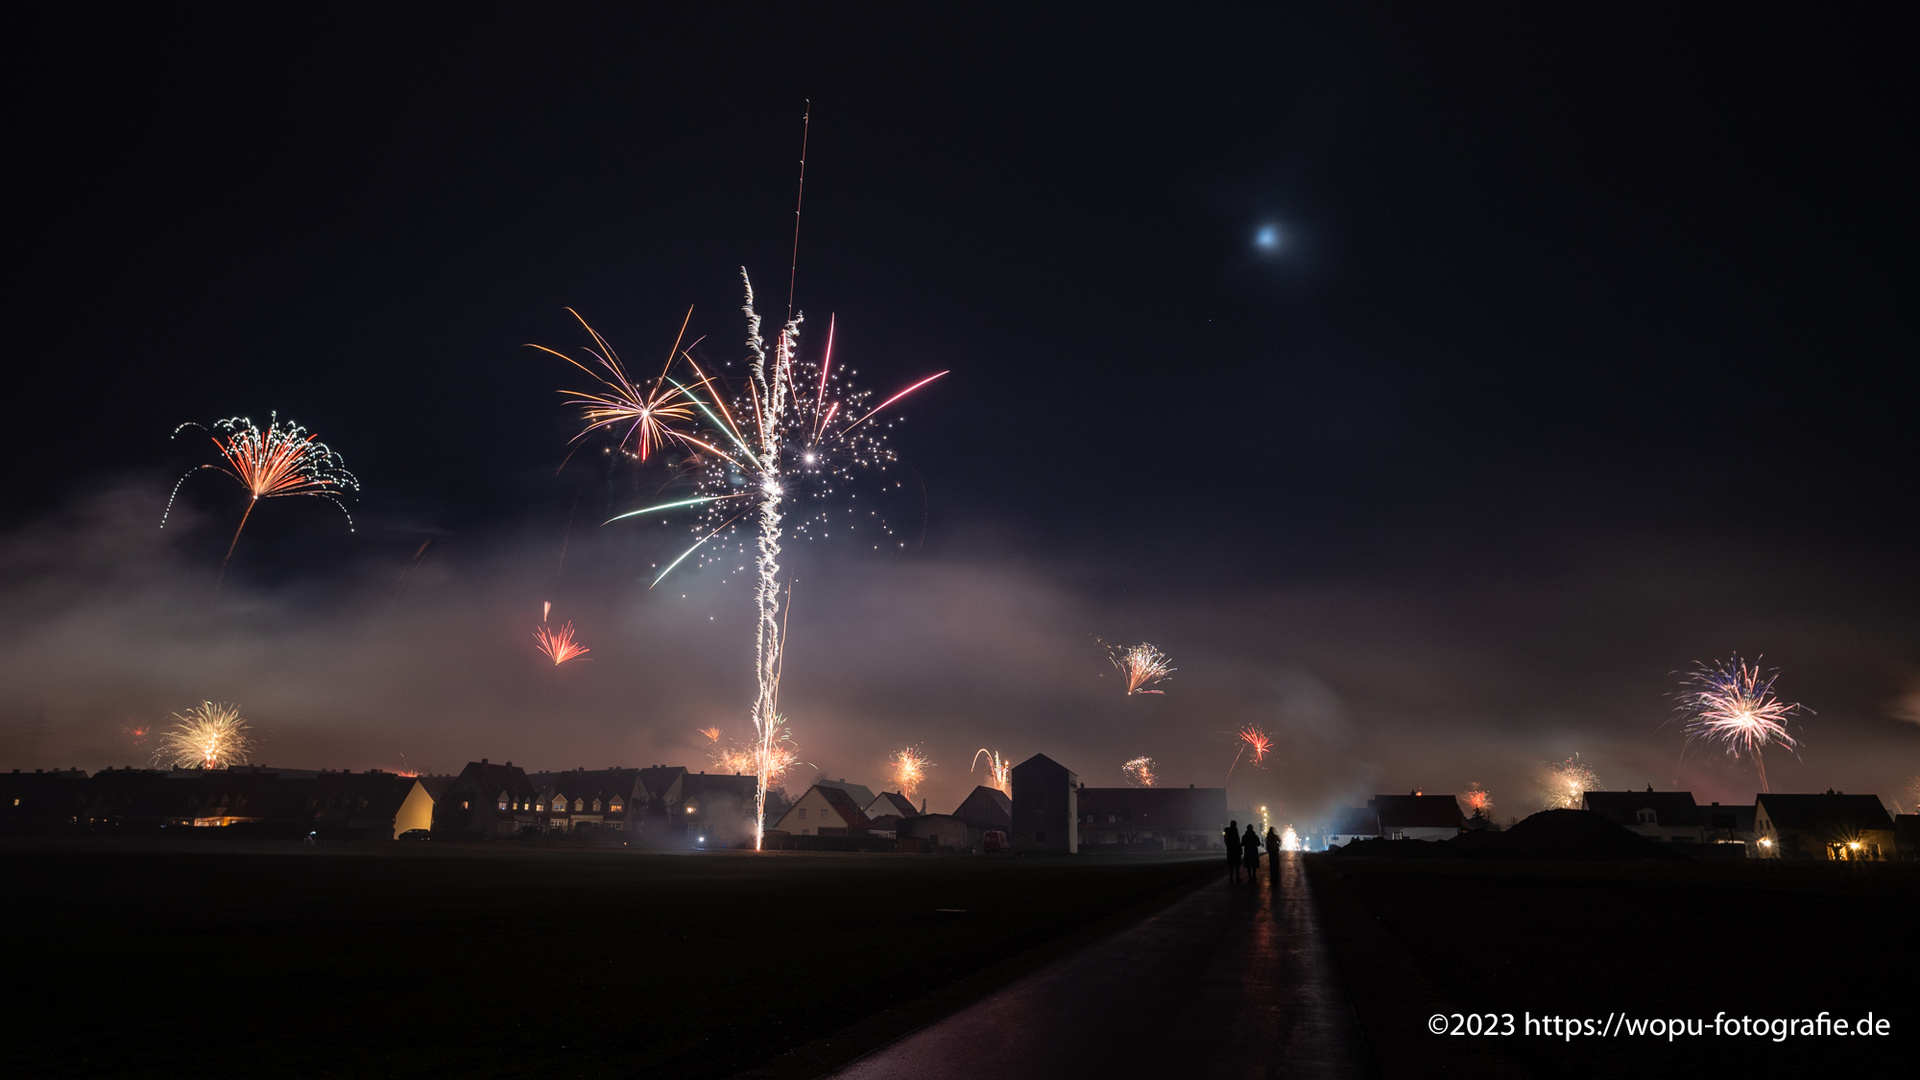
pixel 712 734
pixel 207 736
pixel 909 770
pixel 793 430
pixel 1478 799
pixel 1567 783
pixel 1143 665
pixel 1733 703
pixel 281 459
pixel 1139 771
pixel 1251 738
pixel 999 769
pixel 641 417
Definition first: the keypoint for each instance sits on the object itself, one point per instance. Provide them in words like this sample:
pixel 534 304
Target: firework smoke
pixel 1733 703
pixel 207 736
pixel 909 770
pixel 1567 783
pixel 1142 666
pixel 999 769
pixel 1139 771
pixel 281 459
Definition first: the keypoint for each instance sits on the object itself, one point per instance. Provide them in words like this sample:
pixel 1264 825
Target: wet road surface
pixel 1231 981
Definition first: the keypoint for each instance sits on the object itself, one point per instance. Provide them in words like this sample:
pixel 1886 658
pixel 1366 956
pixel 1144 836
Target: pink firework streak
pixel 559 645
pixel 1252 738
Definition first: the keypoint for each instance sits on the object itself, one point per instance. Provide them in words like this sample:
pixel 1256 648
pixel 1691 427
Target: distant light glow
pixel 1267 238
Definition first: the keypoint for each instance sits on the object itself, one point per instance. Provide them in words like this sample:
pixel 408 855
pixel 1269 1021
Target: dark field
pixel 396 960
pixel 1692 939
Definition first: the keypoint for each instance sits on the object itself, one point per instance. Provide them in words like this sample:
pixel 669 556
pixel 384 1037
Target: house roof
pixel 1158 809
pixel 861 794
pixel 894 803
pixel 659 780
pixel 604 784
pixel 490 780
pixel 1675 808
pixel 1833 813
pixel 1418 812
pixel 843 805
pixel 988 808
pixel 1041 765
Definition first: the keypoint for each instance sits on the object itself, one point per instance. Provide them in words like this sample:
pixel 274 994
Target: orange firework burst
pixel 1140 771
pixel 909 770
pixel 998 768
pixel 712 734
pixel 559 645
pixel 1567 784
pixel 207 736
pixel 280 459
pixel 642 416
pixel 1143 665
pixel 1251 738
pixel 1478 799
pixel 136 732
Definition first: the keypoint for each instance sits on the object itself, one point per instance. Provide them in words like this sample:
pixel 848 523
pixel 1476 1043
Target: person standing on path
pixel 1250 843
pixel 1233 850
pixel 1273 855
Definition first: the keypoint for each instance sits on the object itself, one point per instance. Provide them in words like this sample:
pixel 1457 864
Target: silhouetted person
pixel 1273 853
pixel 1250 844
pixel 1233 850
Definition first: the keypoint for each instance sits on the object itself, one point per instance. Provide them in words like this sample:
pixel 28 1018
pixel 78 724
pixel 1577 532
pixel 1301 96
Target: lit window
pixel 579 805
pixel 616 806
pixel 466 804
pixel 503 802
pixel 596 806
pixel 559 806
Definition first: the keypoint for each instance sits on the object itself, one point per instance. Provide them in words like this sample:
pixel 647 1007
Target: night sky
pixel 1582 352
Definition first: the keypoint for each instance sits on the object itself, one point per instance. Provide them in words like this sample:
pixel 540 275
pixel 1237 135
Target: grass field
pixel 1688 940
pixel 501 961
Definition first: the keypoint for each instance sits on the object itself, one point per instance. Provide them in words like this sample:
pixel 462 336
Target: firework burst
pixel 1567 784
pixel 1733 704
pixel 207 736
pixel 1142 665
pixel 1478 799
pixel 1139 771
pixel 279 459
pixel 1254 741
pixel 785 441
pixel 136 733
pixel 999 770
pixel 642 418
pixel 1289 840
pixel 909 770
pixel 558 644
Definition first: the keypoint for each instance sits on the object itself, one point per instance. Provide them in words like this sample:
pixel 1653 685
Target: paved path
pixel 1232 981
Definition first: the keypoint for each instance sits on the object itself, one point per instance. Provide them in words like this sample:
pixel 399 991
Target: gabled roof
pixel 1830 814
pixel 1673 808
pixel 986 808
pixel 490 780
pixel 843 805
pixel 1418 812
pixel 1041 765
pixel 894 803
pixel 603 784
pixel 861 794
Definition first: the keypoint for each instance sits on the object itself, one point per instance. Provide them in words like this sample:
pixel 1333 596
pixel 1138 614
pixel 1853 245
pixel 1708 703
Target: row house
pixel 1153 818
pixel 1834 826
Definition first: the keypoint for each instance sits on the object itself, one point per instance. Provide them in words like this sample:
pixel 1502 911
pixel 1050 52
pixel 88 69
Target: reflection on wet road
pixel 1232 981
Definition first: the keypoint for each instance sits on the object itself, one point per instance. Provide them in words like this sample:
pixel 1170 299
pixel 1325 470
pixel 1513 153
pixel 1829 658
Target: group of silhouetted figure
pixel 1243 850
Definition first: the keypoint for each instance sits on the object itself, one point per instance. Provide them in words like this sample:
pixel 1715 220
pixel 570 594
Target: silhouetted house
pixel 1726 825
pixel 718 809
pixel 480 803
pixel 825 811
pixel 1046 807
pixel 1829 826
pixel 583 799
pixel 1417 816
pixel 986 808
pixel 1153 818
pixel 1666 816
pixel 1357 823
pixel 1906 835
pixel 940 833
pixel 135 798
pixel 44 799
